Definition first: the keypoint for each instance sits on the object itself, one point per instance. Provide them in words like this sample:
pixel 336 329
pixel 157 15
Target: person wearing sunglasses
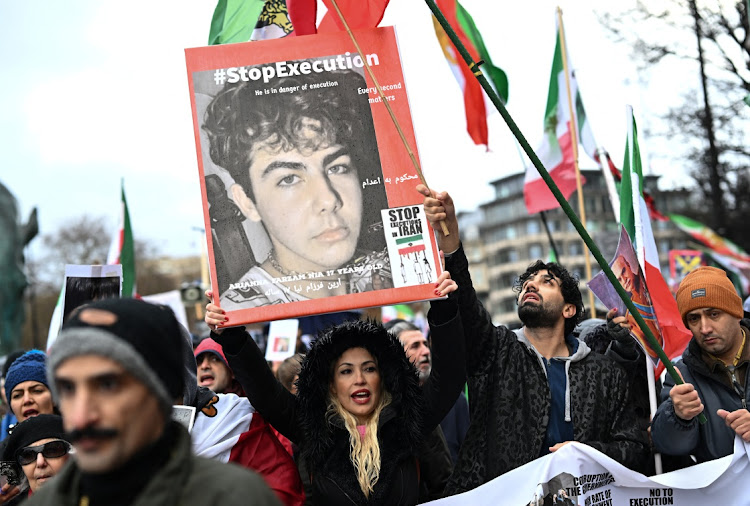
pixel 38 447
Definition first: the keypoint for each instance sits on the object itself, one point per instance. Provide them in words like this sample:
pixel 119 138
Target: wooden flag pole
pixel 574 141
pixel 414 161
pixel 474 66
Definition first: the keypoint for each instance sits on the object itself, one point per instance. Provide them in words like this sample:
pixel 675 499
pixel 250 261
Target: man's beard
pixel 424 374
pixel 539 316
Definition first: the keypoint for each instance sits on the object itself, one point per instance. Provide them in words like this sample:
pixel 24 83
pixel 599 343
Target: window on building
pixel 535 251
pixel 508 305
pixel 575 248
pixel 510 232
pixel 533 227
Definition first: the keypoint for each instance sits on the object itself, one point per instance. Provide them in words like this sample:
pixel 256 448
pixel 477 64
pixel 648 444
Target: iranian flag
pixel 708 237
pixel 234 21
pixel 474 97
pixel 122 248
pixel 634 216
pixel 556 148
pixel 410 244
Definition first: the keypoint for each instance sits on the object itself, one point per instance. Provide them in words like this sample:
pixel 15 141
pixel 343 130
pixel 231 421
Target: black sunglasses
pixel 50 450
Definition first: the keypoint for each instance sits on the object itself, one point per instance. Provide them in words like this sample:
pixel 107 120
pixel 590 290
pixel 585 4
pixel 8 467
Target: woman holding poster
pixel 303 156
pixel 359 416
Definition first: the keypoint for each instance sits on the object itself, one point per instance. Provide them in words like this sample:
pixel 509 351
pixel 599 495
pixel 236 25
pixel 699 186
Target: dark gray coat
pixel 674 436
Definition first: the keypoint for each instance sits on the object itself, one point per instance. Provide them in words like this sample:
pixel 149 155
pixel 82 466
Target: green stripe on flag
pixel 127 254
pixel 496 75
pixel 234 21
pixel 631 165
pixel 411 238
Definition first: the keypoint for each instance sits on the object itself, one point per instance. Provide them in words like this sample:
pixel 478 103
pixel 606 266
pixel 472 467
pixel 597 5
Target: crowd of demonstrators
pixel 360 415
pixel 116 370
pixel 537 388
pixel 714 368
pixel 375 413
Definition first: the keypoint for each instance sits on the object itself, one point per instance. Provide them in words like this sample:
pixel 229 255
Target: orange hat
pixel 708 287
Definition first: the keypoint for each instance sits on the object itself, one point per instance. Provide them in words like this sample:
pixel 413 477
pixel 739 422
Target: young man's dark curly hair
pixel 568 286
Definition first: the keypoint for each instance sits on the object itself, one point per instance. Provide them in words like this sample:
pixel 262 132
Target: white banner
pixel 578 475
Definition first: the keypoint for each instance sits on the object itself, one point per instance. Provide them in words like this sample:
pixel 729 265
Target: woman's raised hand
pixel 215 316
pixel 445 284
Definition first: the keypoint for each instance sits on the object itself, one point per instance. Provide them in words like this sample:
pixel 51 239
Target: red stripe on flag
pixel 406 251
pixel 359 14
pixel 260 450
pixel 676 336
pixel 537 194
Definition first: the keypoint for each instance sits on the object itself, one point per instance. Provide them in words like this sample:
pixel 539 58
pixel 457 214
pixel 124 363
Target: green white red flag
pixel 410 244
pixel 634 216
pixel 556 149
pixel 709 238
pixel 122 248
pixel 474 96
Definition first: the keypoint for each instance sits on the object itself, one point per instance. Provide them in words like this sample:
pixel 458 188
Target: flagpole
pixel 384 101
pixel 574 141
pixel 652 406
pixel 474 66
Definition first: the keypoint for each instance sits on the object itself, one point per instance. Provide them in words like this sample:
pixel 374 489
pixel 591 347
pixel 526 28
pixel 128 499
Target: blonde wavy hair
pixel 364 453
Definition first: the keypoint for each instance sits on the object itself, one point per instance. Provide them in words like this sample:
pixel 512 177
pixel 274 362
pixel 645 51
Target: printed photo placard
pixel 300 165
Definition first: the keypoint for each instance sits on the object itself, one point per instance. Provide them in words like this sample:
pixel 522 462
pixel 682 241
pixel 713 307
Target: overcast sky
pixel 97 91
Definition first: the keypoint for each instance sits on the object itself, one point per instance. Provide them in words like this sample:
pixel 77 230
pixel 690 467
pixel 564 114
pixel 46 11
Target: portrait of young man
pixel 304 169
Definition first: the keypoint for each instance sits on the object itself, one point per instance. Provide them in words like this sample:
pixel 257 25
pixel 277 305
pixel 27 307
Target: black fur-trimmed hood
pixel 399 378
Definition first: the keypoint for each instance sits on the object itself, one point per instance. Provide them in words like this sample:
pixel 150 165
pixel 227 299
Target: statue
pixel 13 239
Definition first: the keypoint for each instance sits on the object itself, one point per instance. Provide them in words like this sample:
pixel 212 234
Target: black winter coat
pixel 324 445
pixel 509 398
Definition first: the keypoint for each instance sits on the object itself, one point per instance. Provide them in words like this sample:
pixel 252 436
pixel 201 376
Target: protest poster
pixel 628 272
pixel 282 340
pixel 173 299
pixel 87 283
pixel 578 475
pixel 300 165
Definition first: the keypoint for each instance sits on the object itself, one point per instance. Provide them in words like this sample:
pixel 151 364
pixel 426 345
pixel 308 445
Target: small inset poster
pixel 409 247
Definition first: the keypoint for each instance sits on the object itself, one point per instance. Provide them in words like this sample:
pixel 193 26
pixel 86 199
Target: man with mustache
pixel 535 389
pixel 714 367
pixel 116 371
